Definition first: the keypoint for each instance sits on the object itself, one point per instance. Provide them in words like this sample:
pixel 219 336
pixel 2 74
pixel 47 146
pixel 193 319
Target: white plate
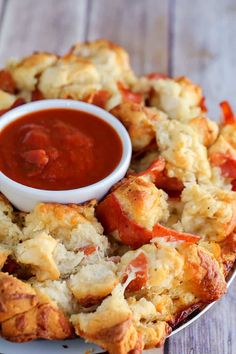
pixel 78 346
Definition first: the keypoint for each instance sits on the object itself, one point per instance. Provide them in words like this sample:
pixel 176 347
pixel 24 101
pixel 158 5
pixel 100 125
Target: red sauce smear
pixel 59 149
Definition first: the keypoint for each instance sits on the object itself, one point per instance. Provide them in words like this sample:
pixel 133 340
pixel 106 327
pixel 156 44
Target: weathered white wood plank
pixel 1 7
pixel 30 25
pixel 213 333
pixel 205 47
pixel 140 26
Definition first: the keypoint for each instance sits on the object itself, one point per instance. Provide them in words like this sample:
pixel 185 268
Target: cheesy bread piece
pixel 25 72
pixel 93 282
pixel 111 61
pixel 110 326
pixel 44 321
pixel 208 211
pixel 138 120
pixel 59 239
pixel 16 297
pixel 185 156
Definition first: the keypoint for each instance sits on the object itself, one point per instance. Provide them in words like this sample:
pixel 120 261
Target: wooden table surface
pixel 194 38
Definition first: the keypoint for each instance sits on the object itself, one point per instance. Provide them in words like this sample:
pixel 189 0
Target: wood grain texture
pixel 2 8
pixel 205 47
pixel 46 25
pixel 140 26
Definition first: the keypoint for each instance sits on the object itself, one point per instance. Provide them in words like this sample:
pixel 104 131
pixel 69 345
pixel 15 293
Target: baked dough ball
pixel 142 201
pixel 111 61
pixel 7 82
pixel 220 150
pixel 6 100
pixel 228 252
pixel 185 156
pixel 130 212
pixel 69 77
pixel 93 282
pixel 110 326
pixel 74 225
pixel 206 130
pixel 208 211
pixel 15 297
pixel 179 98
pixel 59 220
pixel 10 233
pixel 159 267
pixel 38 254
pixel 154 334
pixel 57 292
pixel 59 239
pixel 26 71
pixel 138 120
pixel 152 331
pixel 4 253
pixel 228 131
pixel 45 321
pixel 202 274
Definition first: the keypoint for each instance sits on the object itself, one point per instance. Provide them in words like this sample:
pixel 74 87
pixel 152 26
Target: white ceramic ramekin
pixel 25 198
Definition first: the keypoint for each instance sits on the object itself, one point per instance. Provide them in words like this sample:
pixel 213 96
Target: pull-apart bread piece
pixel 15 297
pixel 222 154
pixel 69 77
pixel 25 316
pixel 7 101
pixel 110 326
pixel 137 211
pixel 111 60
pixel 26 71
pixel 139 121
pixel 10 232
pixel 43 321
pixel 58 239
pixel 186 157
pixel 181 100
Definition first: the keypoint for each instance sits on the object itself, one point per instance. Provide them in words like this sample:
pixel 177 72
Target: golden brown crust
pixel 154 335
pixel 15 297
pixel 228 252
pixel 4 253
pixel 62 215
pixel 103 51
pixel 138 120
pixel 25 72
pixel 42 322
pixel 206 129
pixel 69 77
pixel 119 339
pixel 183 313
pixel 203 275
pixel 142 201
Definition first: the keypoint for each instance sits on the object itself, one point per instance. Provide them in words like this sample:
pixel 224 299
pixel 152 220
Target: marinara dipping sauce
pixel 59 149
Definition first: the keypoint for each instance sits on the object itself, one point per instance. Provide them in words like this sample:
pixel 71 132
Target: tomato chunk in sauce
pixel 59 149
